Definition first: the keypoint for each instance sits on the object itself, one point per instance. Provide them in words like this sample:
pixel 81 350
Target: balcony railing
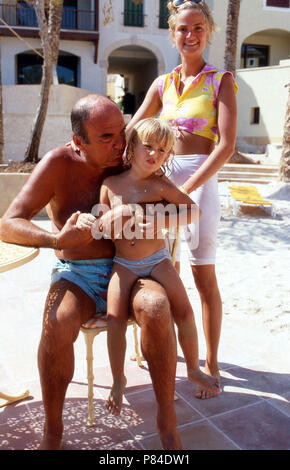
pixel 133 18
pixel 24 15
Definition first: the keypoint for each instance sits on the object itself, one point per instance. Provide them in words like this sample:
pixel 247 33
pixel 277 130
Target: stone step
pixel 240 168
pixel 240 179
pixel 248 173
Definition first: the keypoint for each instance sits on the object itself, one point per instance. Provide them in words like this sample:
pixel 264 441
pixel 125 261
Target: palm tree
pixel 231 58
pixel 48 14
pixel 284 168
pixel 2 158
pixel 232 35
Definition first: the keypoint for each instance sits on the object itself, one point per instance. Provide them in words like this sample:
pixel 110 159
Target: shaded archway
pixel 136 65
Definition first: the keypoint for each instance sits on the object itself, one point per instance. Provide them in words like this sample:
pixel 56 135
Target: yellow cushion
pixel 248 195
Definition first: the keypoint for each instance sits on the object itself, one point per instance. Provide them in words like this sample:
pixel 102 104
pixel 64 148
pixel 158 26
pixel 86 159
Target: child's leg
pixel 182 312
pixel 119 290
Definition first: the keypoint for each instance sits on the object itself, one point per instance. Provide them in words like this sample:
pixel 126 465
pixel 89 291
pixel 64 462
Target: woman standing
pixel 199 101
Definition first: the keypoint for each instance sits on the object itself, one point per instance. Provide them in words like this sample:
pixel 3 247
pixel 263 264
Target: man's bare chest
pixel 70 198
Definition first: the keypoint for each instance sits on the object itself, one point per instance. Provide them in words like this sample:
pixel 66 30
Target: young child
pixel 149 147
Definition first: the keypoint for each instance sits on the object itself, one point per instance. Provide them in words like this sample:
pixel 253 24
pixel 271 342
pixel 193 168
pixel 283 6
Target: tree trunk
pixel 230 57
pixel 284 168
pixel 49 30
pixel 2 155
pixel 54 26
pixel 31 153
pixel 232 35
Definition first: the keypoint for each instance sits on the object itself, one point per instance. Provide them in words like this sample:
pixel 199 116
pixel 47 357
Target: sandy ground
pixel 252 266
pixel 254 259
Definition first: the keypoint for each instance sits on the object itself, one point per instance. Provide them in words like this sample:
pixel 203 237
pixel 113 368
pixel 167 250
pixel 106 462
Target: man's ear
pixel 78 141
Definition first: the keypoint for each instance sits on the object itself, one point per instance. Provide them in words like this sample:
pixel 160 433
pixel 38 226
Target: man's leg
pixel 66 308
pixel 151 309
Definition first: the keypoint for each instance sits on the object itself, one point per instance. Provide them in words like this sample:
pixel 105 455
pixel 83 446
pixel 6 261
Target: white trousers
pixel 201 236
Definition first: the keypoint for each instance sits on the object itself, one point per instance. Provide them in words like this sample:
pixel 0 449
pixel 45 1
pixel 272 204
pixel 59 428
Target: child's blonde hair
pixel 149 129
pixel 201 6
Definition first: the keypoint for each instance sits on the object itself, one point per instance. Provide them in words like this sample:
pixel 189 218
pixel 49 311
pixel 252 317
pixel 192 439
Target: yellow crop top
pixel 195 110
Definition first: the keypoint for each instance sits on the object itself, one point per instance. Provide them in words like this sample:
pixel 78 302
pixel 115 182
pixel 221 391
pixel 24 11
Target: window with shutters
pixel 133 13
pixel 163 14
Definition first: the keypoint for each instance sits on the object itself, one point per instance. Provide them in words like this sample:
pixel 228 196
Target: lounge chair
pixel 248 195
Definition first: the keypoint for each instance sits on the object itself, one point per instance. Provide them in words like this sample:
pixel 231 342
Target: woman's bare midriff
pixel 188 144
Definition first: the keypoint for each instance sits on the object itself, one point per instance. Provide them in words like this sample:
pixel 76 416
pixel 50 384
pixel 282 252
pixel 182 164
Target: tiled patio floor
pixel 252 412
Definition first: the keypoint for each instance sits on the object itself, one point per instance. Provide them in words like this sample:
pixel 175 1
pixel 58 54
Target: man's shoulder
pixel 58 157
pixel 115 177
pixel 60 153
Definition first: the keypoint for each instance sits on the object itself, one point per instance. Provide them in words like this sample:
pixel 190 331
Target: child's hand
pixel 152 226
pixel 111 223
pixel 85 221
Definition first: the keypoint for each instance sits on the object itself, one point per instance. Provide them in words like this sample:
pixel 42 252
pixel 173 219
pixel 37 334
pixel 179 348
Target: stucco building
pixel 109 45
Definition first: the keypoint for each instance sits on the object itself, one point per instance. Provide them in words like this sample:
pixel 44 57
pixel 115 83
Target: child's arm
pixel 114 214
pixel 182 210
pixel 187 209
pixel 179 210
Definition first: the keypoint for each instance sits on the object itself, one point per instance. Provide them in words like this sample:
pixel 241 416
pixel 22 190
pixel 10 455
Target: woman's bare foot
pixel 208 383
pixel 115 400
pixel 202 392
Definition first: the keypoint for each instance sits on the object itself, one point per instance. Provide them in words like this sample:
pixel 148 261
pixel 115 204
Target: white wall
pixel 20 103
pixel 262 87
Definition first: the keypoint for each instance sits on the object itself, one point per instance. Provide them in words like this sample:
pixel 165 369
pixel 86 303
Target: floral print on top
pixel 195 109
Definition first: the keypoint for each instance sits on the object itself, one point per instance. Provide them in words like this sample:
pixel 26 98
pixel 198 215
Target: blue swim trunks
pixel 92 276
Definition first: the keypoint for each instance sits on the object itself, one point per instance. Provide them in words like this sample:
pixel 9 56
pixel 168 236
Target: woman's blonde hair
pixel 147 130
pixel 202 7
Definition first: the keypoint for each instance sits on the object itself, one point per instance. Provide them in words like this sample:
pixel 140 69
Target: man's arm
pixel 16 226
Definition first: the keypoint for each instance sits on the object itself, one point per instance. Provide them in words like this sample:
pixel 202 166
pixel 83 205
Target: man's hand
pixel 76 231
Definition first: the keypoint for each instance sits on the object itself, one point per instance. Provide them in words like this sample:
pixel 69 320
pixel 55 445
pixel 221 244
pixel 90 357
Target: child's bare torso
pixel 143 196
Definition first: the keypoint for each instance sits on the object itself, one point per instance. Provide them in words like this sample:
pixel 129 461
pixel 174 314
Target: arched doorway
pixel 265 48
pixel 132 68
pixel 29 70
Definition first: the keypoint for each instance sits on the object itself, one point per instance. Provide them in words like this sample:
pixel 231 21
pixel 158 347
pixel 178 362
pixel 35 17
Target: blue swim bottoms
pixel 92 276
pixel 143 267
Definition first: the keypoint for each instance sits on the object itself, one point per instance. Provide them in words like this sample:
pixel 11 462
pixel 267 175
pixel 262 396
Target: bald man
pixel 68 179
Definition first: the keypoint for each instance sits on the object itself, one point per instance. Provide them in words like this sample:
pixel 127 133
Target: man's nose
pixel 120 141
